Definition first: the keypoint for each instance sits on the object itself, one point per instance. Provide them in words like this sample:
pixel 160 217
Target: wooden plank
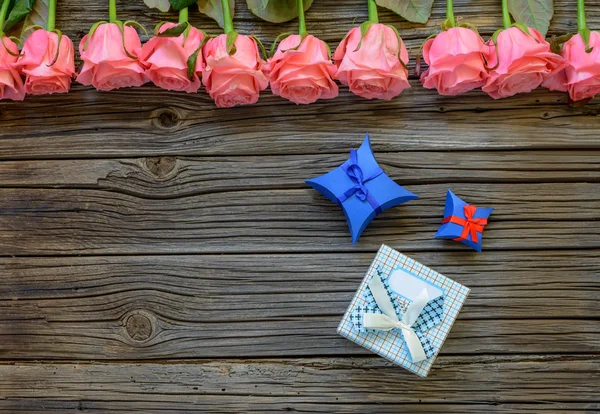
pixel 74 221
pixel 151 122
pixel 141 307
pixel 45 406
pixel 478 384
pixel 166 177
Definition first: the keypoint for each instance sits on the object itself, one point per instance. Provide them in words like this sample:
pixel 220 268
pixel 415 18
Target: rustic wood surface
pixel 160 255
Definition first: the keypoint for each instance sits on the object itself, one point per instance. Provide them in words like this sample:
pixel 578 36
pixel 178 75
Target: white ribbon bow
pixel 389 320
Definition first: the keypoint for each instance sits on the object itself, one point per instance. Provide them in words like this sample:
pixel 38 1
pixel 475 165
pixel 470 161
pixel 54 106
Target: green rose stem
pixel 373 18
pixel 183 15
pixel 301 20
pixel 581 25
pixel 112 11
pixel 3 12
pixel 51 15
pixel 505 15
pixel 450 13
pixel 227 19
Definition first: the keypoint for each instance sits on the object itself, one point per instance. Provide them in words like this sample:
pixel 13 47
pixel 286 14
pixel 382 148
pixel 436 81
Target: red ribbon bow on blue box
pixel 463 222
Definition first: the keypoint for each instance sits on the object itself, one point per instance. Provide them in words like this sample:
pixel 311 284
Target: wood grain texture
pixel 68 221
pixel 341 385
pixel 212 278
pixel 226 306
pixel 167 177
pixel 151 122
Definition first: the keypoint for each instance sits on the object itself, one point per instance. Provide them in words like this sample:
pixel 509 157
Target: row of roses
pixel 371 60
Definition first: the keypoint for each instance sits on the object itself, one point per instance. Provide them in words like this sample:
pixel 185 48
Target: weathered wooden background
pixel 161 255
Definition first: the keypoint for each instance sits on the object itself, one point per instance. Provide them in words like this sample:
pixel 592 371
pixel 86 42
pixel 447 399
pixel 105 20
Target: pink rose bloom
pixel 305 74
pixel 166 60
pixel 456 59
pixel 374 70
pixel 236 79
pixel 557 81
pixel 524 63
pixel 43 76
pixel 581 76
pixel 11 84
pixel 106 65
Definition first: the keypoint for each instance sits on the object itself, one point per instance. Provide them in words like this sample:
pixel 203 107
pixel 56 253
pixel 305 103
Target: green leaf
pixel 181 4
pixel 400 42
pixel 91 32
pixel 174 31
pixel 523 27
pixel 494 40
pixel 212 8
pixel 417 11
pixel 364 28
pixel 18 11
pixel 59 35
pixel 135 25
pixel 262 47
pixel 533 13
pixel 38 16
pixel 7 49
pixel 230 42
pixel 122 29
pixel 191 64
pixel 276 11
pixel 277 40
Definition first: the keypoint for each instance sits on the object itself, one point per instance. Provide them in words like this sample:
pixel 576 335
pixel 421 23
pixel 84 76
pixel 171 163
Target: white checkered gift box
pixel 391 345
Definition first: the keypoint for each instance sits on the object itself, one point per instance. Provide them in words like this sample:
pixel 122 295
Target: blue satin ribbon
pixel 355 174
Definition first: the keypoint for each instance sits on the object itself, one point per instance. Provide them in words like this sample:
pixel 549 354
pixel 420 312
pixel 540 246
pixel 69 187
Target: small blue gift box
pixel 361 188
pixel 463 222
pixel 403 311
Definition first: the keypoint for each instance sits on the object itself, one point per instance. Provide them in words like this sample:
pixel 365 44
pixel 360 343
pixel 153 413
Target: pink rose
pixel 374 70
pixel 11 84
pixel 557 81
pixel 233 79
pixel 36 63
pixel 581 76
pixel 166 60
pixel 106 64
pixel 456 59
pixel 305 74
pixel 525 61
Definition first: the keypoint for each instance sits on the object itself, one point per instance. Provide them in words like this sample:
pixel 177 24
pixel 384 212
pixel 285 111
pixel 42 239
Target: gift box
pixel 361 188
pixel 403 311
pixel 463 222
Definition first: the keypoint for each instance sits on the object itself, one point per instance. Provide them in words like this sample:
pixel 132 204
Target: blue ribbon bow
pixel 356 175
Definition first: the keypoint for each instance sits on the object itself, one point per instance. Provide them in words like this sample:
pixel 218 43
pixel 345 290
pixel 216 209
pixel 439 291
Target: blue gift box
pixel 404 282
pixel 463 222
pixel 361 188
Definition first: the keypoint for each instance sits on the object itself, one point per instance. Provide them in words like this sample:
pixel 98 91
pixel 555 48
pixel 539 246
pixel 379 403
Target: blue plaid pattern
pixel 391 345
pixel 400 309
pixel 430 316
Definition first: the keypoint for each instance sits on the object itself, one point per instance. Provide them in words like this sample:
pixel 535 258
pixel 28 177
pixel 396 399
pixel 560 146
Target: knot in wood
pixel 138 327
pixel 168 119
pixel 161 166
